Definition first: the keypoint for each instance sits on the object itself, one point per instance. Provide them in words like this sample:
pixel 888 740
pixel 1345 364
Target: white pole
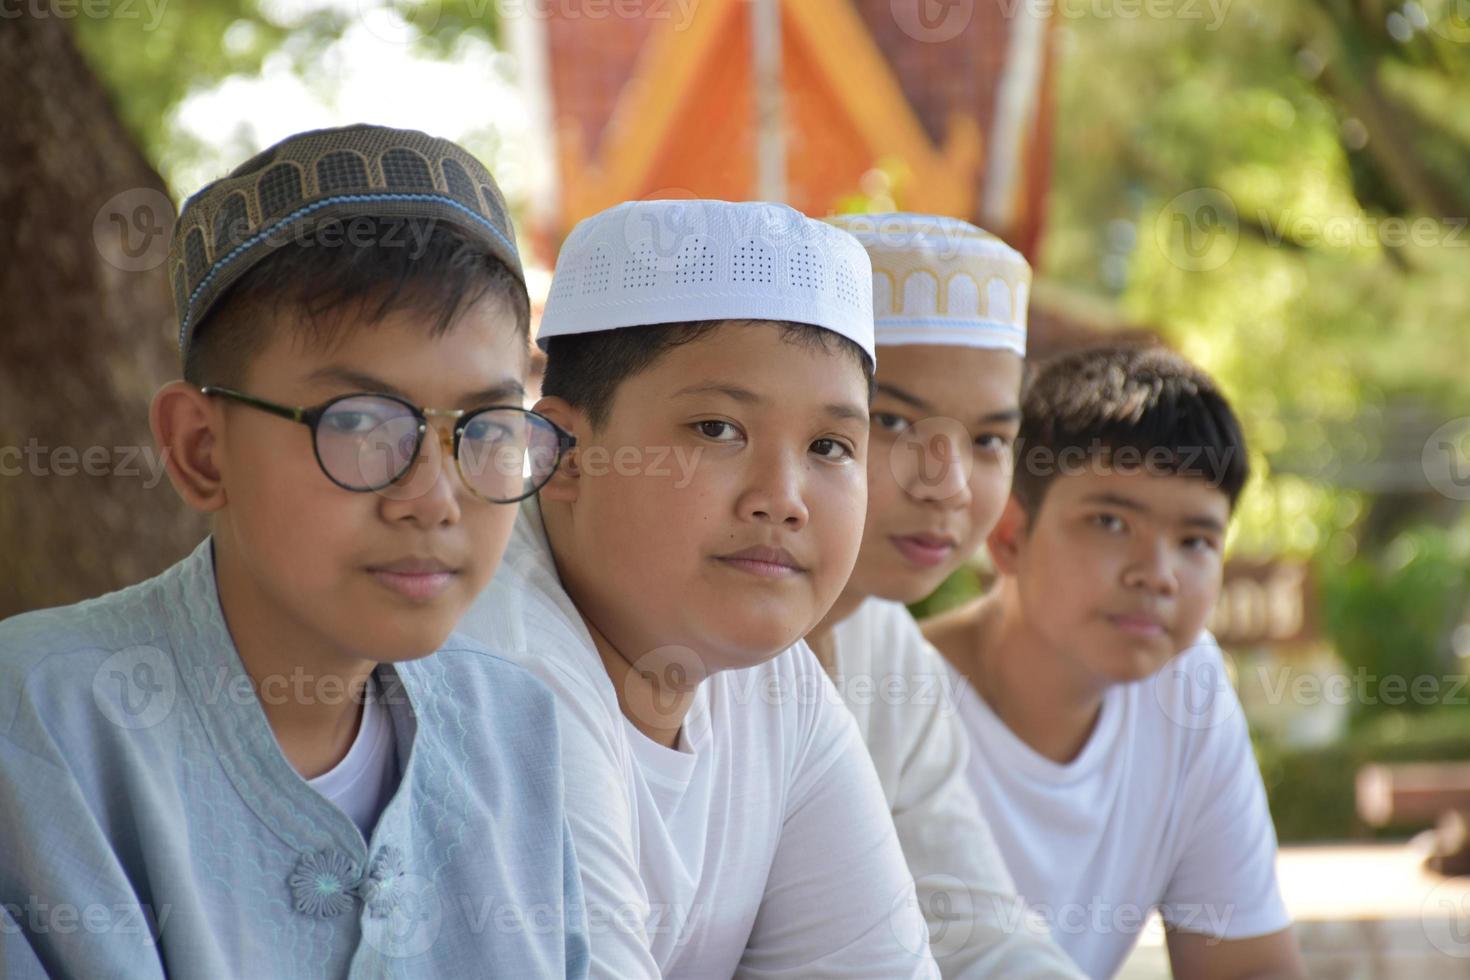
pixel 770 103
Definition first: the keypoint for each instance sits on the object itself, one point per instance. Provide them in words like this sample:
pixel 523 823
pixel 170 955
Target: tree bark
pixel 85 334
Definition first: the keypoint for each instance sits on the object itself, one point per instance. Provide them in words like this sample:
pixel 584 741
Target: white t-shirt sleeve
pixel 525 614
pixel 905 700
pixel 1224 883
pixel 978 925
pixel 839 900
pixel 600 815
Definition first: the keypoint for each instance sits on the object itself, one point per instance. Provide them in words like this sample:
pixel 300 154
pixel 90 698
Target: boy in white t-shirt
pixel 713 362
pixel 1109 749
pixel 949 313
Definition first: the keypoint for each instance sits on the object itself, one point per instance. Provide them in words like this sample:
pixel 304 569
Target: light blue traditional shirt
pixel 150 824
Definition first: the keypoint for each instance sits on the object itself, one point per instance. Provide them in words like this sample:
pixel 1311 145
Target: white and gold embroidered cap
pixel 939 280
pixel 650 262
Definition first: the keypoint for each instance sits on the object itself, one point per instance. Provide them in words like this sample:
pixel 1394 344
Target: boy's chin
pixel 400 656
pixel 739 649
pixel 903 585
pixel 1131 664
pixel 911 589
pixel 392 644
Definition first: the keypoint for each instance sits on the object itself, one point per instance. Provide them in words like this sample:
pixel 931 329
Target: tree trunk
pixel 85 334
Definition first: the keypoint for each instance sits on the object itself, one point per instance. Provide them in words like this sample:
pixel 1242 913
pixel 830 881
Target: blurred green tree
pixel 1285 192
pixel 91 90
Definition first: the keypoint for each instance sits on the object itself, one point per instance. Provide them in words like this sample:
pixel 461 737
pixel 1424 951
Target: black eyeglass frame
pixel 311 416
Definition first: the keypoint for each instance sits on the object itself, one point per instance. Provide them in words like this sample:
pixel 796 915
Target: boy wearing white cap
pixel 713 362
pixel 950 314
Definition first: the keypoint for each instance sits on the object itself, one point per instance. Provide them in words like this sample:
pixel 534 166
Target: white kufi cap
pixel 650 262
pixel 939 280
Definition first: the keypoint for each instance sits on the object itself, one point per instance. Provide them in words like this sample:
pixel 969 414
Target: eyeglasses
pixel 368 442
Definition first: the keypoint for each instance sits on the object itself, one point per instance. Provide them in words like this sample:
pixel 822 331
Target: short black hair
pixel 363 265
pixel 586 369
pixel 1131 407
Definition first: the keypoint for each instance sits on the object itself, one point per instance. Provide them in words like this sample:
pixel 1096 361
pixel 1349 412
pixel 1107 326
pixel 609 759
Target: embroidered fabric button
pixel 379 890
pixel 323 883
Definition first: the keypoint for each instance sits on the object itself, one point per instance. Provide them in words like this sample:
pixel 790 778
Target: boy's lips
pixel 415 578
pixel 1138 624
pixel 926 550
pixel 767 562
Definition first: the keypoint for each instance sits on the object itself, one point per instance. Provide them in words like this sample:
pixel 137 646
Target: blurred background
pixel 1280 190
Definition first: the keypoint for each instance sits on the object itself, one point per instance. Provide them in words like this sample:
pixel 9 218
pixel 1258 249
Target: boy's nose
pixel 775 493
pixel 933 463
pixel 1151 568
pixel 428 494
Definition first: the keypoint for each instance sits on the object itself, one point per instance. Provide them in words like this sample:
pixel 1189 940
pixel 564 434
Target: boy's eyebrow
pixel 1203 521
pixel 908 398
pixel 507 391
pixel 848 412
pixel 733 392
pixel 893 391
pixel 1115 500
pixel 745 396
pixel 1004 415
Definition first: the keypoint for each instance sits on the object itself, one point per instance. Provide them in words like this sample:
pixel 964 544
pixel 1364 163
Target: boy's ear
pixel 1008 538
pixel 185 424
pixel 566 482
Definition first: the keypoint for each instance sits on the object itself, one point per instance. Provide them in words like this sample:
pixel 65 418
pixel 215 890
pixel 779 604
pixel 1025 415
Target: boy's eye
pixel 1109 522
pixel 485 430
pixel 718 430
pixel 889 422
pixel 1199 544
pixel 831 449
pixel 993 445
pixel 349 423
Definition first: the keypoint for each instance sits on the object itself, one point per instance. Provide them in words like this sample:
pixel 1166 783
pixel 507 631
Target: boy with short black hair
pixel 713 362
pixel 1108 748
pixel 274 759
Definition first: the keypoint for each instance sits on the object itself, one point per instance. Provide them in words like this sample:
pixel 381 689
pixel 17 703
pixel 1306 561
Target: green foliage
pixel 1389 614
pixel 150 64
pixel 153 54
pixel 960 587
pixel 1236 188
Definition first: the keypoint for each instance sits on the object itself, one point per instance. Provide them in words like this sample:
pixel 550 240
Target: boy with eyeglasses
pixel 274 759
